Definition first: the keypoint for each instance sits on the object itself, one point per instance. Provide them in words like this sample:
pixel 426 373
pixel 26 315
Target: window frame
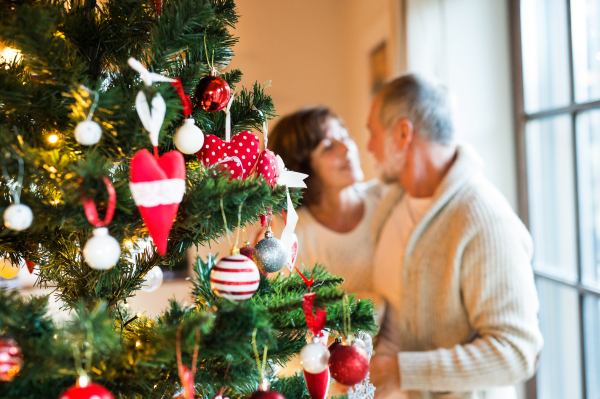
pixel 521 117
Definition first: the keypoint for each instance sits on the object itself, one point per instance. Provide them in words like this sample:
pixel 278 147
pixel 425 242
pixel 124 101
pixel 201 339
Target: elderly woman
pixel 335 217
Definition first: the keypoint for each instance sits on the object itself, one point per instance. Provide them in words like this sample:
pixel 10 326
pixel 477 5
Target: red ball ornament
pixel 334 345
pixel 212 93
pixel 264 392
pixel 349 365
pixel 268 394
pixel 246 250
pixel 10 359
pixel 90 391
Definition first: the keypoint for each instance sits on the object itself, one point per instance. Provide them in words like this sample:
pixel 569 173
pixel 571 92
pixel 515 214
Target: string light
pixel 53 138
pixel 137 344
pixel 138 314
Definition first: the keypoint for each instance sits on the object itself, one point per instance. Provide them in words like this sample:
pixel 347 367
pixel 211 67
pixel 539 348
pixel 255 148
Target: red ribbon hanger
pixel 186 101
pixel 315 323
pixel 89 206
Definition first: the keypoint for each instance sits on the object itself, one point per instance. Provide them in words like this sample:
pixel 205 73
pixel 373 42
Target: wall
pixel 465 45
pixel 316 52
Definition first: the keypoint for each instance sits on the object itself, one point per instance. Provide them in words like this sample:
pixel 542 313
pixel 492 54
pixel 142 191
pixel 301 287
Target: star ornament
pixel 289 178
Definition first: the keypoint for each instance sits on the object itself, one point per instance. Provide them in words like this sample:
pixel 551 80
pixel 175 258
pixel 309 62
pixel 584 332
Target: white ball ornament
pixel 88 132
pixel 101 251
pixel 18 217
pixel 189 138
pixel 153 279
pixel 235 277
pixel 314 357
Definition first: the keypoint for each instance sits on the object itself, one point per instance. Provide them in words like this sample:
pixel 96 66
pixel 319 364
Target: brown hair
pixel 295 137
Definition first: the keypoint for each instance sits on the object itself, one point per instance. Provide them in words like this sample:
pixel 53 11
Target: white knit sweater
pixel 468 315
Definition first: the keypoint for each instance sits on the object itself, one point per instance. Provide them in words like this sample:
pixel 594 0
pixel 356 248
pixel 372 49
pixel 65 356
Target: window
pixel 556 52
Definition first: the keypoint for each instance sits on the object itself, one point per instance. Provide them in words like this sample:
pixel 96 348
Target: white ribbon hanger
pixel 147 76
pixel 228 118
pixel 152 118
pixel 289 179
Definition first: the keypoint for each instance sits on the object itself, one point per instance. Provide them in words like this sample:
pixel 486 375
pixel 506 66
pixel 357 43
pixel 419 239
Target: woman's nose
pixel 343 146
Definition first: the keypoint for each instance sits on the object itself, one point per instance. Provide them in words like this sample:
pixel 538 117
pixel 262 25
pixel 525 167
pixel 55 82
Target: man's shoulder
pixel 481 203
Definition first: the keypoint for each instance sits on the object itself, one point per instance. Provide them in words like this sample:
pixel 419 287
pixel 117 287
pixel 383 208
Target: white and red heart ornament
pixel 238 156
pixel 293 252
pixel 157 183
pixel 157 186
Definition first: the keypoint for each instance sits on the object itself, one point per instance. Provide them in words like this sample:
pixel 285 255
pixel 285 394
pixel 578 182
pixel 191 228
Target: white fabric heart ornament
pixel 152 119
pixel 289 179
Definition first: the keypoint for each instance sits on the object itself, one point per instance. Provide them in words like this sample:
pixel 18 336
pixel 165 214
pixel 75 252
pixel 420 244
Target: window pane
pixel 591 308
pixel 588 158
pixel 585 16
pixel 551 186
pixel 545 40
pixel 559 373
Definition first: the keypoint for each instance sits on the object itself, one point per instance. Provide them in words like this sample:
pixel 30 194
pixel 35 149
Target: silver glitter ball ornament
pixel 269 254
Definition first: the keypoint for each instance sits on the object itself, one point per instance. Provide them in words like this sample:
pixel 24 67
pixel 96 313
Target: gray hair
pixel 426 104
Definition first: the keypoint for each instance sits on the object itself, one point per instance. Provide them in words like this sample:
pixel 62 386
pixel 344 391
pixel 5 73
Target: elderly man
pixel 453 261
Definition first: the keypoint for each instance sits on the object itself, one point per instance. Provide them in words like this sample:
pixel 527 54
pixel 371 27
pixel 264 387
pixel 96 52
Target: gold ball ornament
pixel 7 269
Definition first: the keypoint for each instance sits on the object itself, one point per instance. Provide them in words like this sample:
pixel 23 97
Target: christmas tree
pixel 79 109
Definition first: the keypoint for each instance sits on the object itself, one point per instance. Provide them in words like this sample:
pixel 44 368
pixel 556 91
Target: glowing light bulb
pixel 137 344
pixel 83 381
pixel 53 138
pixel 138 314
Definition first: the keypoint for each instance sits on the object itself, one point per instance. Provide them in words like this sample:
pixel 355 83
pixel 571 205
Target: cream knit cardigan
pixel 468 317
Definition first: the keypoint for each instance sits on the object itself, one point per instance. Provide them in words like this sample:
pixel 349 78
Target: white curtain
pixel 425 32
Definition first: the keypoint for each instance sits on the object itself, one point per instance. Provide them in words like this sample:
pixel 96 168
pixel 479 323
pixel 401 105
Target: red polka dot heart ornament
pixel 237 156
pixel 267 166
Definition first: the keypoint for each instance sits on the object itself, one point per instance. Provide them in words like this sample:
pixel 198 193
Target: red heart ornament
pixel 157 187
pixel 243 146
pixel 267 166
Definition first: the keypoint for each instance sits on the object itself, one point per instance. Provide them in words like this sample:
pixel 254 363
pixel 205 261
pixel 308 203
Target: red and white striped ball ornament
pixel 235 277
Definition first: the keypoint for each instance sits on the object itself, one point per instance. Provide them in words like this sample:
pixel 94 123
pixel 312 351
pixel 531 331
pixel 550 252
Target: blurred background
pixel 525 79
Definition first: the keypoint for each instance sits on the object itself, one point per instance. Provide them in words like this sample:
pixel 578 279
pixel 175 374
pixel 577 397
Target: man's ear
pixel 403 134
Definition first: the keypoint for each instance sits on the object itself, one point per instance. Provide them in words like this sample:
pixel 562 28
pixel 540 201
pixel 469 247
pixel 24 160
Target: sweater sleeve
pixel 499 296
